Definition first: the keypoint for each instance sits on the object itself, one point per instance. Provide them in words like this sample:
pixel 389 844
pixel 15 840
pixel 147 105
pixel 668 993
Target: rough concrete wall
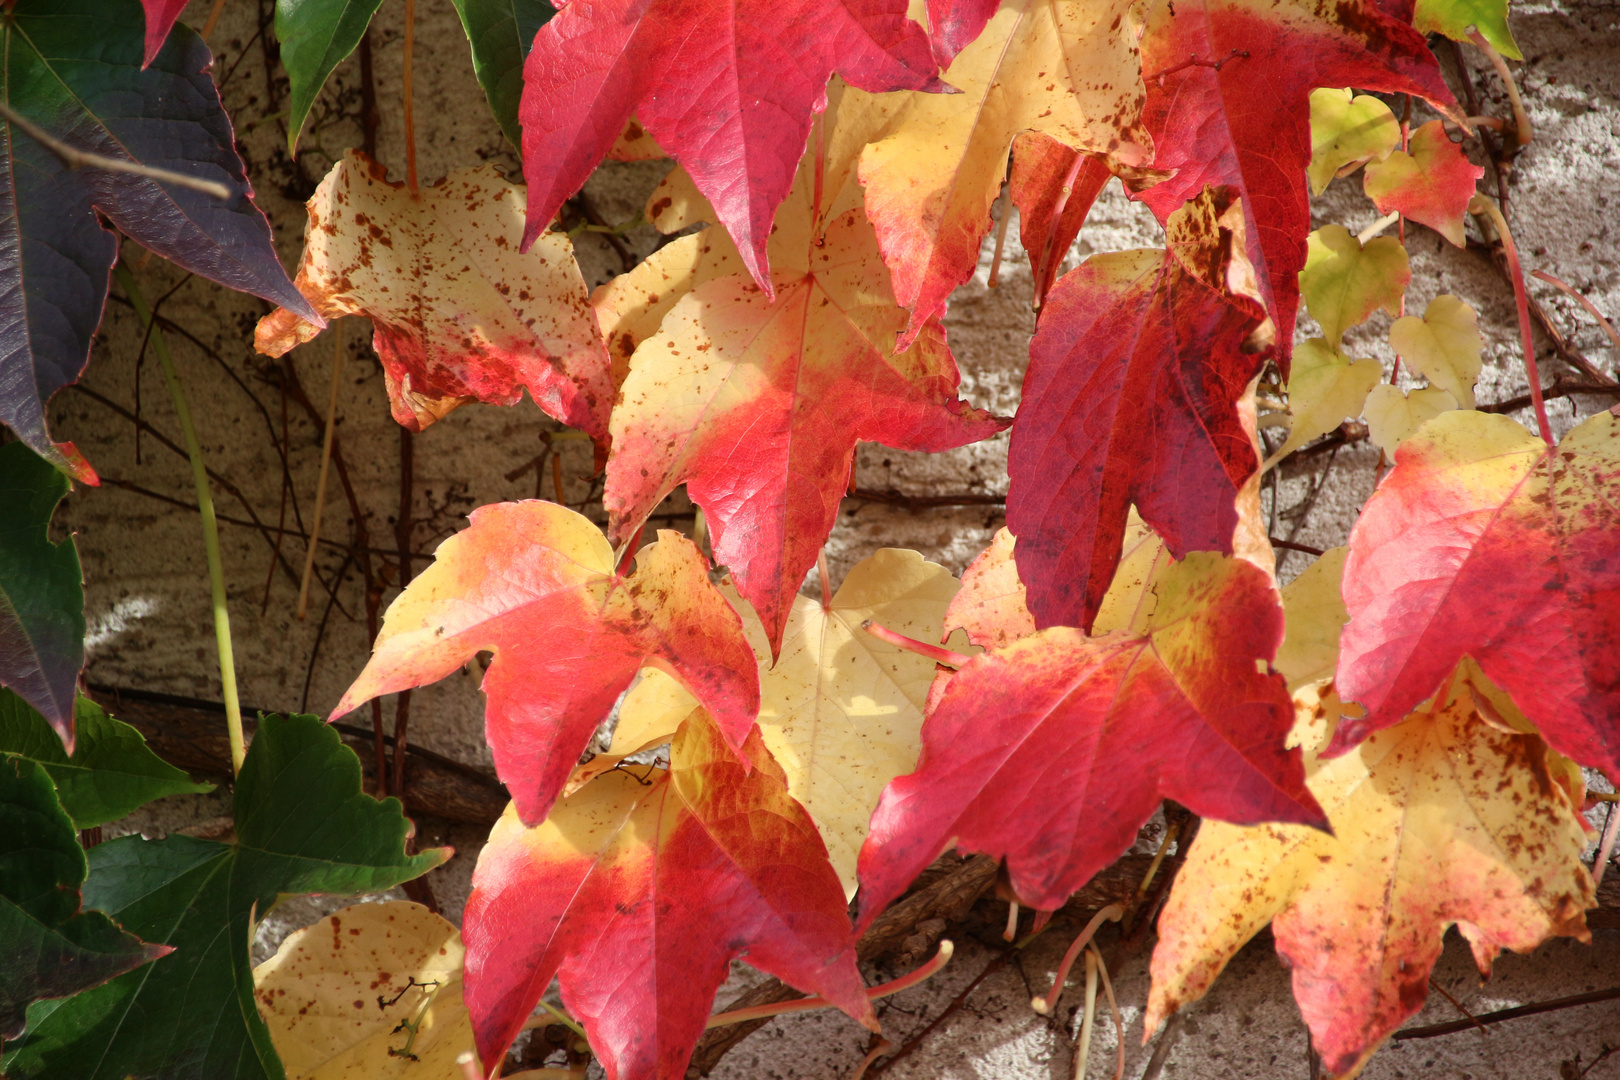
pixel 147 587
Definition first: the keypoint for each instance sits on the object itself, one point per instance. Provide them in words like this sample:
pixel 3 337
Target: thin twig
pixel 1483 207
pixel 1591 308
pixel 1455 1004
pixel 1521 119
pixel 1453 1026
pixel 410 114
pixel 75 158
pixel 1611 832
pixel 326 464
pixel 945 1014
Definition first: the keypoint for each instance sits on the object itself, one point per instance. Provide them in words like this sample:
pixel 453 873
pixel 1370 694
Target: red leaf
pixel 1431 184
pixel 534 583
pixel 1131 397
pixel 1042 167
pixel 161 16
pixel 639 897
pixel 727 87
pixel 1247 122
pixel 953 24
pixel 1484 542
pixel 1052 751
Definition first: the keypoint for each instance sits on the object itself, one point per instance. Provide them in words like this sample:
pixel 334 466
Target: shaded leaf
pixel 1065 68
pixel 1430 183
pixel 1247 122
pixel 1444 346
pixel 500 33
pixel 1345 281
pixel 1393 416
pixel 1325 387
pixel 111 772
pixel 315 37
pixel 638 897
pixel 51 948
pixel 1348 129
pixel 458 314
pixel 1314 616
pixel 401 963
pixel 303 825
pixel 1441 821
pixel 1051 752
pixel 534 583
pixel 74 68
pixel 1045 172
pixel 1485 542
pixel 1131 396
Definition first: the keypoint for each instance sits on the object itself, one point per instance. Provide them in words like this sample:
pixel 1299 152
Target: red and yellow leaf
pixel 637 893
pixel 1485 542
pixel 1430 182
pixel 1044 174
pixel 458 314
pixel 534 583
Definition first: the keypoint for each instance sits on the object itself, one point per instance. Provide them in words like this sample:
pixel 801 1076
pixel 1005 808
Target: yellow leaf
pixel 1314 614
pixel 1393 416
pixel 459 313
pixel 1348 130
pixel 1325 388
pixel 335 994
pixel 1444 346
pixel 1345 281
pixel 1441 820
pixel 841 711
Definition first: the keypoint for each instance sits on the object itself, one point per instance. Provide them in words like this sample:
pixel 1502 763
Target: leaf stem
pixel 1045 1005
pixel 1088 1019
pixel 410 115
pixel 326 463
pixel 1521 119
pixel 894 986
pixel 74 158
pixel 1611 833
pixel 205 505
pixel 826 580
pixel 921 648
pixel 1591 308
pixel 1479 205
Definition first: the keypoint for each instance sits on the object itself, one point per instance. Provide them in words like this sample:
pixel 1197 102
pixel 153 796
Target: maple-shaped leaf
pixel 161 16
pixel 735 115
pixel 401 962
pixel 1344 281
pixel 1228 102
pixel 1325 387
pixel 500 33
pixel 1394 415
pixel 1485 542
pixel 302 826
pixel 1430 182
pixel 1454 18
pixel 1044 174
pixel 1347 130
pixel 74 69
pixel 757 403
pixel 840 711
pixel 51 948
pixel 1443 820
pixel 1131 396
pixel 458 313
pixel 1444 346
pixel 638 893
pixel 41 591
pixel 1066 68
pixel 1051 752
pixel 534 583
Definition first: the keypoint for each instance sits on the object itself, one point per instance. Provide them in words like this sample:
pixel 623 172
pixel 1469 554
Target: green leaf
pixel 50 948
pixel 303 825
pixel 41 590
pixel 500 32
pixel 1453 18
pixel 316 36
pixel 112 770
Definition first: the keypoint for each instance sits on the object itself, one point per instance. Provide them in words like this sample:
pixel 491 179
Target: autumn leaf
pixel 1444 346
pixel 1454 18
pixel 1064 68
pixel 1443 820
pixel 1131 396
pixel 840 711
pixel 1345 281
pixel 637 894
pixel 1044 173
pixel 161 16
pixel 74 69
pixel 1325 387
pixel 1430 182
pixel 1228 102
pixel 371 992
pixel 736 117
pixel 1313 618
pixel 534 583
pixel 992 607
pixel 1051 752
pixel 1485 542
pixel 458 314
pixel 1394 415
pixel 1347 130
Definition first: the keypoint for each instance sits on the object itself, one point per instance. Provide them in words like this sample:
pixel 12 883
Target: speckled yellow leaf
pixel 1348 129
pixel 336 993
pixel 1441 820
pixel 1394 416
pixel 1313 613
pixel 459 313
pixel 1325 388
pixel 841 710
pixel 1444 346
pixel 1345 281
